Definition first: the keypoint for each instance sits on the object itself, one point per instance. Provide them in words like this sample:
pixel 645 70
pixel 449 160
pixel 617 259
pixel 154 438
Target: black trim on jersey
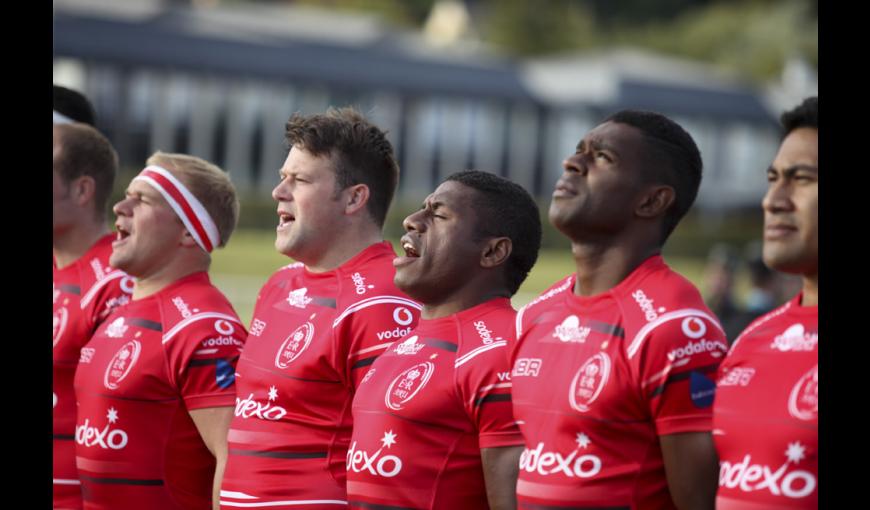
pixel 603 327
pixel 497 397
pixel 64 437
pixel 120 481
pixel 672 378
pixel 278 455
pixel 440 344
pixel 145 323
pixel 375 506
pixel 69 287
pixel 323 301
pixel 364 362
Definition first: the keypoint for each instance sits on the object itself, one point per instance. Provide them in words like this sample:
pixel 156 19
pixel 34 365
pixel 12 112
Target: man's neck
pixel 602 267
pixel 810 291
pixel 343 248
pixel 75 242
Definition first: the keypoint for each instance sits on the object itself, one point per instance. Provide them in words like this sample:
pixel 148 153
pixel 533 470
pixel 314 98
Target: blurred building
pixel 221 82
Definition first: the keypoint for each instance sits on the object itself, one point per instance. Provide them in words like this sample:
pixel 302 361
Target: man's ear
pixel 83 189
pixel 356 196
pixel 656 201
pixel 187 240
pixel 496 252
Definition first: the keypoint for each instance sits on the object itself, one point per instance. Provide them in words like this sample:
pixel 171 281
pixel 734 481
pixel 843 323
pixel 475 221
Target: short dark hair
pixel 73 104
pixel 805 114
pixel 678 163
pixel 85 151
pixel 506 209
pixel 359 150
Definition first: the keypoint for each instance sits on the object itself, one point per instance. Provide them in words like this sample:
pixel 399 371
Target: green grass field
pixel 243 266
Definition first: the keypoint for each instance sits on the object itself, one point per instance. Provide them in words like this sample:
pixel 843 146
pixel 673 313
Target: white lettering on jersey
pixel 360 461
pixel 409 346
pixel 647 305
pixel 749 477
pixel 181 306
pixel 222 340
pixel 257 327
pixel 803 402
pixel 294 345
pixel 527 367
pixel 484 332
pixel 503 376
pixel 795 339
pixel 737 376
pixel 396 332
pixel 56 293
pixel 682 355
pixel 570 330
pixel 298 298
pixel 407 384
pixel 360 283
pixel 589 381
pixel 86 354
pixel 248 407
pixel 99 272
pixel 573 465
pixel 117 328
pixel 121 364
pixel 106 438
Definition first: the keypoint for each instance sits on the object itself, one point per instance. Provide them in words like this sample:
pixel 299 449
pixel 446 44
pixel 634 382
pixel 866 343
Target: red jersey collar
pixel 623 288
pixel 467 315
pixel 363 257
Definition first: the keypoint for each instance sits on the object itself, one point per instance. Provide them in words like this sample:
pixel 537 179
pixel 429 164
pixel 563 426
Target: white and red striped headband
pixel 196 219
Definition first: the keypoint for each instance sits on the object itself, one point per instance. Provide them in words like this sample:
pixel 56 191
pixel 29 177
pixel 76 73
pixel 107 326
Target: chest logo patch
pixel 294 345
pixel 407 384
pixel 121 364
pixel 803 403
pixel 589 381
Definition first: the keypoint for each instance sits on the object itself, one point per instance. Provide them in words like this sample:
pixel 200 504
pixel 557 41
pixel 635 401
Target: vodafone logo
pixel 682 355
pixel 803 402
pixel 59 324
pixel 121 364
pixel 403 316
pixel 407 385
pixel 589 381
pixel 224 327
pixel 294 345
pixel 396 332
pixel 375 464
pixel 127 284
pixel 694 327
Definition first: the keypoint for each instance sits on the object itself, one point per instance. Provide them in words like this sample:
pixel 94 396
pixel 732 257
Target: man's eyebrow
pixel 791 170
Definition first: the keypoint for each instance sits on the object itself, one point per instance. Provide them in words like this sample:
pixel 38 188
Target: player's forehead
pixel 800 147
pixel 452 194
pixel 141 188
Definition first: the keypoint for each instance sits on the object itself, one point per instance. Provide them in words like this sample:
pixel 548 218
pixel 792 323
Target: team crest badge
pixel 589 381
pixel 408 384
pixel 803 402
pixel 59 323
pixel 294 345
pixel 121 364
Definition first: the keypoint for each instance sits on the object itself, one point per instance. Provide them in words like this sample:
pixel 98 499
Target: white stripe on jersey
pixel 365 303
pixel 236 495
pixel 99 284
pixel 372 348
pixel 543 297
pixel 283 503
pixel 465 358
pixel 677 314
pixel 197 317
pixel 497 385
pixel 61 481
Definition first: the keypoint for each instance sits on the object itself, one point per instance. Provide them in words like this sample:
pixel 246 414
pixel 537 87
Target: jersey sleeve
pixel 202 357
pixel 484 384
pixel 106 294
pixel 364 331
pixel 676 361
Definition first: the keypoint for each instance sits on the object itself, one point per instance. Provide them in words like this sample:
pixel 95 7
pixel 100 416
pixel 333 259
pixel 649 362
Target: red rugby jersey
pixel 597 379
pixel 149 364
pixel 427 407
pixel 765 419
pixel 313 336
pixel 85 292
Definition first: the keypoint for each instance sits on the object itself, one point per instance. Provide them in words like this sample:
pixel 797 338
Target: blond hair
pixel 209 184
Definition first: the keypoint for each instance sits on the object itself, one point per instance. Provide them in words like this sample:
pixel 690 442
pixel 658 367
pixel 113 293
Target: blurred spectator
pixel 719 280
pixel 71 106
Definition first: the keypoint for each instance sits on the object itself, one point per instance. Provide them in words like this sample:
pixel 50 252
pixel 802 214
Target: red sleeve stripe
pixel 189 209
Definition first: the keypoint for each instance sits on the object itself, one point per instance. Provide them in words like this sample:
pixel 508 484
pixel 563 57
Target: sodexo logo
pixel 786 480
pixel 375 464
pixel 571 465
pixel 249 407
pixel 359 282
pixel 107 438
pixel 647 306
